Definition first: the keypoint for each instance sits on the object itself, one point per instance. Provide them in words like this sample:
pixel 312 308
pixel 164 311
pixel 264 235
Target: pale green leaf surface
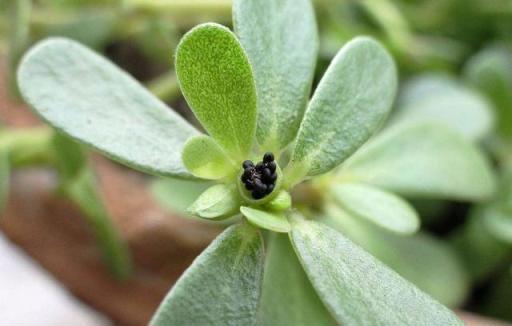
pixel 4 180
pixel 288 297
pixel 204 158
pixel 491 72
pixel 423 160
pixel 88 98
pixel 281 202
pixel 379 207
pixel 217 81
pixel 222 286
pixel 82 190
pixel 177 195
pixel 439 99
pixel 272 221
pixel 356 288
pixel 499 223
pixel 282 51
pixel 219 201
pixel 351 101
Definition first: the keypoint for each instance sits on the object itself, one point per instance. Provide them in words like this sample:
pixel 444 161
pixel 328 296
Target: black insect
pixel 261 178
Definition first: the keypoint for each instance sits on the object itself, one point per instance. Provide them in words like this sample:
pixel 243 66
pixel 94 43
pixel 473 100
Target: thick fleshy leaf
pixel 217 81
pixel 282 51
pixel 351 101
pixel 288 297
pixel 272 221
pixel 177 195
pixel 423 160
pixel 440 99
pixel 204 158
pixel 379 207
pixel 222 286
pixel 217 202
pixel 358 289
pixel 87 97
pixel 425 261
pixel 4 180
pixel 82 190
pixel 491 72
pixel 499 223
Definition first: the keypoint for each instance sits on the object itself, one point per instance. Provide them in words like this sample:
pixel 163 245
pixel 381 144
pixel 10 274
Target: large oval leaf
pixel 356 288
pixel 93 101
pixel 4 180
pixel 282 51
pixel 379 207
pixel 423 160
pixel 216 79
pixel 349 104
pixel 288 297
pixel 222 286
pixel 440 99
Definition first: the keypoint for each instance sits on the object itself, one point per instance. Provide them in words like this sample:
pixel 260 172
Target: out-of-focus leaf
pixel 423 160
pixel 177 195
pixel 351 101
pixel 491 71
pixel 282 51
pixel 204 158
pixel 18 14
pixel 88 98
pixel 272 221
pixel 222 286
pixel 356 288
pixel 217 202
pixel 499 223
pixel 379 207
pixel 288 297
pixel 439 99
pixel 217 81
pixel 4 180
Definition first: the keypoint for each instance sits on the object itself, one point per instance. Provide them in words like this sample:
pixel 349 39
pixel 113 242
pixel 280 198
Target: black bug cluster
pixel 260 179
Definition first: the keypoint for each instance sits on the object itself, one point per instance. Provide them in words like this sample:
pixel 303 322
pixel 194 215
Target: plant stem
pixel 27 146
pixel 19 16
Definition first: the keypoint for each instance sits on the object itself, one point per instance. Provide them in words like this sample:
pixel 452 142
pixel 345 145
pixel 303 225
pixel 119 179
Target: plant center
pixel 261 178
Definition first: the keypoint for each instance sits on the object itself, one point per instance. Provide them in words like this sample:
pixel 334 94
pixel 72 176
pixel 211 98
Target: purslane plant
pixel 250 92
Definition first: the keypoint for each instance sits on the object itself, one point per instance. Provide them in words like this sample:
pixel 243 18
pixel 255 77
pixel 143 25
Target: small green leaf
pixel 216 79
pixel 282 202
pixel 217 202
pixel 288 297
pixel 499 223
pixel 491 72
pixel 382 208
pixel 439 99
pixel 82 190
pixel 222 286
pixel 204 158
pixel 177 195
pixel 423 160
pixel 4 180
pixel 356 288
pixel 351 101
pixel 283 52
pixel 272 221
pixel 88 98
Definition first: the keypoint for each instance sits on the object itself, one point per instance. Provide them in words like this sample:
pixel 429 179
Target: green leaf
pixel 88 98
pixel 222 286
pixel 217 202
pixel 499 223
pixel 272 221
pixel 423 160
pixel 4 180
pixel 356 288
pixel 379 207
pixel 491 72
pixel 70 157
pixel 281 202
pixel 177 195
pixel 216 79
pixel 349 104
pixel 439 99
pixel 281 41
pixel 204 158
pixel 83 192
pixel 288 297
